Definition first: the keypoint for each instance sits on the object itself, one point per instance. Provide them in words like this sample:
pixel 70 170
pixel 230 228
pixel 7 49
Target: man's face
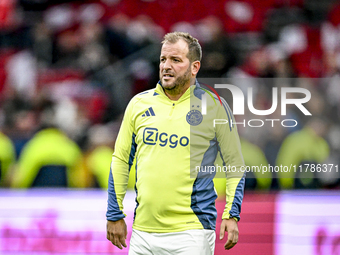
pixel 175 67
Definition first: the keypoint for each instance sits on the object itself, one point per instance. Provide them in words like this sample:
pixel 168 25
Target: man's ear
pixel 195 67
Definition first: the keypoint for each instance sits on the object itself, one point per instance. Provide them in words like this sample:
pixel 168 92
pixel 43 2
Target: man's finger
pixel 232 240
pixel 117 243
pixel 110 237
pixel 235 239
pixel 122 241
pixel 222 230
pixel 115 240
pixel 227 245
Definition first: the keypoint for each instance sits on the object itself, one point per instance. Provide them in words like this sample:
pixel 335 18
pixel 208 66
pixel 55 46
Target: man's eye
pixel 176 60
pixel 162 59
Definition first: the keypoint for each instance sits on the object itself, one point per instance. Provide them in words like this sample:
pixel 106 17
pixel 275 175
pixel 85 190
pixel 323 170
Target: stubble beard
pixel 177 86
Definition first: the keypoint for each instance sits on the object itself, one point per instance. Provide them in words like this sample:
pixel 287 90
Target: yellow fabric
pixel 254 156
pixel 49 146
pixel 7 156
pixel 99 162
pixel 303 145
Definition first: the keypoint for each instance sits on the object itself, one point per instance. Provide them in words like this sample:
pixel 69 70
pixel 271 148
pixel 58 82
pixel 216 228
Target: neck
pixel 175 94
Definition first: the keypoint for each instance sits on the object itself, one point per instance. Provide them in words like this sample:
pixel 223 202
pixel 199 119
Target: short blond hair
pixel 195 49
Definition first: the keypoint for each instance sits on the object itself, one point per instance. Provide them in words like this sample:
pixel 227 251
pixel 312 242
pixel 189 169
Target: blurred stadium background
pixel 69 68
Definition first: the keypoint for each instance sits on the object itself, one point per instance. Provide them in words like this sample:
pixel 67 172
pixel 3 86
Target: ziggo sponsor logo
pixel 152 136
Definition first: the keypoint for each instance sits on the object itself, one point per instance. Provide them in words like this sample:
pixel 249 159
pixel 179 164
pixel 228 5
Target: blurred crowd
pixel 69 68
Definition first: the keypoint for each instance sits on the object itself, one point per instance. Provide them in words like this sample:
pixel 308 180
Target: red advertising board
pixel 256 227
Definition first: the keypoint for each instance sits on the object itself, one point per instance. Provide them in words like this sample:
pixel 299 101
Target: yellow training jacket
pixel 175 147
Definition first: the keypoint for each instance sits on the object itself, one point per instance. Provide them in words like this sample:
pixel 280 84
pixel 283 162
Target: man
pixel 170 139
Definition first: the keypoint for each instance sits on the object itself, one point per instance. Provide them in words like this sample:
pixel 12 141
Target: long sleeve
pixel 122 160
pixel 230 148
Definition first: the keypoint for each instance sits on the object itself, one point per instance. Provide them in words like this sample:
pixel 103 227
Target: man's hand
pixel 231 227
pixel 116 232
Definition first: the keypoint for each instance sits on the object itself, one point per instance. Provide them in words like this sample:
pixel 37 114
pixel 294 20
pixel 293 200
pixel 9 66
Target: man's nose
pixel 167 64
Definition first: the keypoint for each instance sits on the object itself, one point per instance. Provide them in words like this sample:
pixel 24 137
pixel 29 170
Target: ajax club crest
pixel 194 117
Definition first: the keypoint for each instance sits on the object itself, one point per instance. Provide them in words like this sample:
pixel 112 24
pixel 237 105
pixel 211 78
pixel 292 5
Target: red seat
pixel 5 55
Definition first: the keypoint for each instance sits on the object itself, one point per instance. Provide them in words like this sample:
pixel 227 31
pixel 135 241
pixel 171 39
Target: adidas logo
pixel 149 112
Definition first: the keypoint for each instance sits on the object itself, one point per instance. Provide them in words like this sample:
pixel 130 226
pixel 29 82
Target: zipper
pixel 172 109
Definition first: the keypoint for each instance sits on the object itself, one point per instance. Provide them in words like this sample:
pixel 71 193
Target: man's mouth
pixel 167 75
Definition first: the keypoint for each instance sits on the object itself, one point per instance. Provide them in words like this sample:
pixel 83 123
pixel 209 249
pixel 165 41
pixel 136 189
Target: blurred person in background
pixel 307 146
pixel 24 63
pixel 219 53
pixel 49 159
pixel 7 158
pixel 42 44
pixel 94 54
pixel 175 211
pixel 254 157
pixel 99 154
pixel 20 120
pixel 98 157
